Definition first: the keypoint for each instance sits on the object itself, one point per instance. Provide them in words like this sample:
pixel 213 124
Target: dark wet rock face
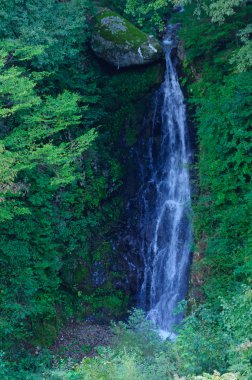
pixel 121 44
pixel 158 234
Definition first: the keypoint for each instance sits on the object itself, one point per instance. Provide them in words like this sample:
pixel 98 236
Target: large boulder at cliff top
pixel 121 44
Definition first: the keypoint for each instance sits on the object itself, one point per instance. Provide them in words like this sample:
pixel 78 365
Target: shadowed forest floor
pixel 81 339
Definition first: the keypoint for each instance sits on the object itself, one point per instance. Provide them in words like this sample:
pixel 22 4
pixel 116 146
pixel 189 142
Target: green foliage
pixel 117 5
pixel 243 57
pixel 220 100
pixel 153 12
pixel 216 376
pixel 44 134
pixel 137 353
pixel 60 27
pixel 206 342
pixel 61 186
pixel 59 178
pixel 220 106
pixel 224 177
pixel 36 163
pixel 222 15
pixel 217 10
pixel 212 339
pixel 27 368
pixel 138 335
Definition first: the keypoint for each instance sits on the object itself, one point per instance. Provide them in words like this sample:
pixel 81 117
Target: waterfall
pixel 162 235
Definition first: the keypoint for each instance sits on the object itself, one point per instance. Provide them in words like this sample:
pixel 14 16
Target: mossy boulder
pixel 121 44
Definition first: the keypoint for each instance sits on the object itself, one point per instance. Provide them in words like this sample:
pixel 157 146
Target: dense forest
pixel 69 120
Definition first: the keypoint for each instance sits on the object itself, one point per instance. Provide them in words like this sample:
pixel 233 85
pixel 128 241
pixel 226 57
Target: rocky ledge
pixel 121 44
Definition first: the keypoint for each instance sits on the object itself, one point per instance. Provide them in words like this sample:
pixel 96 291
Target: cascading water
pixel 162 235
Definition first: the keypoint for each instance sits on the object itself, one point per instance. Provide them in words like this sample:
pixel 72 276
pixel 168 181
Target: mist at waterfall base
pixel 160 233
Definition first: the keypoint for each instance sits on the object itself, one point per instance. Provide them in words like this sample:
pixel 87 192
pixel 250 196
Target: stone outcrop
pixel 121 44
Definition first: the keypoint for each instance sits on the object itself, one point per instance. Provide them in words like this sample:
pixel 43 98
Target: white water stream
pixel 163 201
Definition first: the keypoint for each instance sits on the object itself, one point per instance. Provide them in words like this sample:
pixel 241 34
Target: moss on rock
pixel 120 43
pixel 115 28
